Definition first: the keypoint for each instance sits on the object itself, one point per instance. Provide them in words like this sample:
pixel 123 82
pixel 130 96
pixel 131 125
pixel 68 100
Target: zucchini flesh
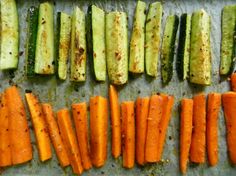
pixel 184 47
pixel 168 48
pixel 9 35
pixel 32 19
pixel 117 47
pixel 44 56
pixel 228 31
pixel 136 59
pixel 96 36
pixel 64 31
pixel 78 46
pixel 153 38
pixel 200 56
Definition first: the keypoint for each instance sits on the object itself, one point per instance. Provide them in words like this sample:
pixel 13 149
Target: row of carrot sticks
pixel 138 129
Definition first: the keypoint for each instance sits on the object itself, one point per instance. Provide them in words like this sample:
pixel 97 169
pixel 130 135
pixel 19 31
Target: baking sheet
pixel 62 94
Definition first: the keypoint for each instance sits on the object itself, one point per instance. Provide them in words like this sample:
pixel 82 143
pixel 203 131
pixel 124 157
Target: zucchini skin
pixel 96 36
pixel 45 53
pixel 136 58
pixel 117 47
pixel 32 19
pixel 9 35
pixel 78 47
pixel 228 44
pixel 153 38
pixel 168 48
pixel 200 56
pixel 184 47
pixel 63 44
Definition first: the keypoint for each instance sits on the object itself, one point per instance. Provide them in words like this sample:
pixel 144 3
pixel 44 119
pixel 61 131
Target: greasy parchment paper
pixel 62 94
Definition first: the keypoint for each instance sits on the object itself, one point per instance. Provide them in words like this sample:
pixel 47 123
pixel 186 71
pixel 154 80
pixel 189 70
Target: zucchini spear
pixel 32 19
pixel 96 36
pixel 44 56
pixel 9 35
pixel 64 31
pixel 117 47
pixel 78 46
pixel 228 43
pixel 200 57
pixel 136 58
pixel 153 38
pixel 184 47
pixel 168 48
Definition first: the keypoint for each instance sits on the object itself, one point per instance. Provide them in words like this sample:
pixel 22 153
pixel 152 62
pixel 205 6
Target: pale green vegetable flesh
pixel 78 47
pixel 117 47
pixel 136 58
pixel 153 38
pixel 200 57
pixel 44 55
pixel 9 35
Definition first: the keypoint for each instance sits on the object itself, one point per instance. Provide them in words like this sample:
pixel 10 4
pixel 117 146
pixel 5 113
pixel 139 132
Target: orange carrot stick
pixel 153 121
pixel 5 150
pixel 21 148
pixel 98 130
pixel 69 139
pixel 168 102
pixel 40 127
pixel 198 144
pixel 142 107
pixel 186 118
pixel 80 119
pixel 115 122
pixel 213 108
pixel 233 82
pixel 55 135
pixel 128 134
pixel 229 105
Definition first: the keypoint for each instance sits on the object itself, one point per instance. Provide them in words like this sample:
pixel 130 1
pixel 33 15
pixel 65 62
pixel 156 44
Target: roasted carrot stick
pixel 98 130
pixel 55 135
pixel 142 107
pixel 40 127
pixel 167 105
pixel 21 148
pixel 115 122
pixel 213 108
pixel 153 121
pixel 186 118
pixel 198 141
pixel 128 134
pixel 80 119
pixel 5 150
pixel 69 139
pixel 229 106
pixel 233 82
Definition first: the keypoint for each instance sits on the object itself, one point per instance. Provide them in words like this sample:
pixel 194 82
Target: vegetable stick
pixel 153 121
pixel 115 122
pixel 69 139
pixel 5 150
pixel 98 130
pixel 198 141
pixel 21 148
pixel 167 105
pixel 213 108
pixel 128 134
pixel 55 135
pixel 142 107
pixel 80 119
pixel 233 82
pixel 40 127
pixel 186 118
pixel 229 106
